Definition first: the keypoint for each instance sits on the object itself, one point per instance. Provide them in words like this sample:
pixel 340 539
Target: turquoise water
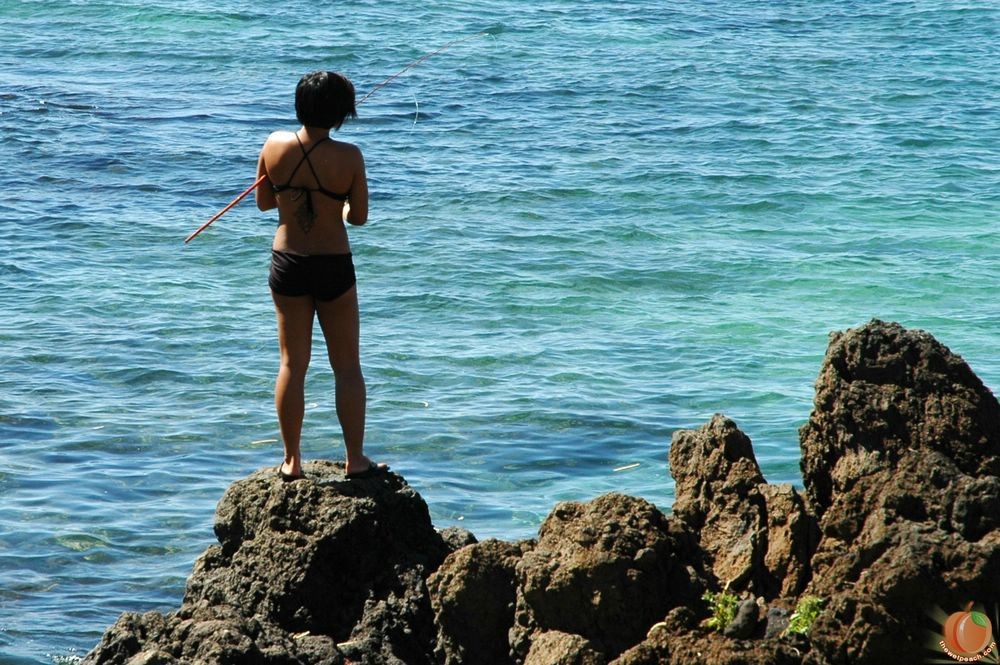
pixel 604 223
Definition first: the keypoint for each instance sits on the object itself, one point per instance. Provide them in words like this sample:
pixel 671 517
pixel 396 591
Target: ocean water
pixel 598 224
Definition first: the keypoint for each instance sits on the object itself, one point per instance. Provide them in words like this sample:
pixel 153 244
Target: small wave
pixel 26 427
pixel 762 205
pixel 12 269
pixel 919 142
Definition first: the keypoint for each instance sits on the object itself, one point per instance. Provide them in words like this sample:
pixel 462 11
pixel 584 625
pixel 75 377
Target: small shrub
pixel 723 607
pixel 806 611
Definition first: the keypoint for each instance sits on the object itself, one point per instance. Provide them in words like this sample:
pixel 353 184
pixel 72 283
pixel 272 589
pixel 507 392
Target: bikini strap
pixel 308 161
pixel 305 158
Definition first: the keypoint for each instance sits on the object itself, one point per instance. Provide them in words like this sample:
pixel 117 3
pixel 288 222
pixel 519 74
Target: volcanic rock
pixel 606 570
pixel 473 595
pixel 744 624
pixel 301 567
pixel 885 392
pixel 557 648
pixel 900 459
pixel 758 537
pixel 898 525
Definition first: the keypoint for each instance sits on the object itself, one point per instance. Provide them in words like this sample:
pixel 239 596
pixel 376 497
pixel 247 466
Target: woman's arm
pixel 356 211
pixel 264 195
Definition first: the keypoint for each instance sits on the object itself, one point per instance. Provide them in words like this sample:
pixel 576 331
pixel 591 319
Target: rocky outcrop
pixel 758 537
pixel 884 392
pixel 473 595
pixel 898 521
pixel 323 570
pixel 900 460
pixel 606 570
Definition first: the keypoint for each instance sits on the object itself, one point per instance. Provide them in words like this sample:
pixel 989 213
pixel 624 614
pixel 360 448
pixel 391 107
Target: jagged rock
pixel 290 551
pixel 679 640
pixel 394 629
pixel 473 594
pixel 326 560
pixel 744 624
pixel 655 648
pixel 758 537
pixel 663 647
pixel 900 459
pixel 899 518
pixel 884 391
pixel 155 657
pixel 204 634
pixel 455 537
pixel 606 570
pixel 556 648
pixel 777 619
pixel 792 537
pixel 719 650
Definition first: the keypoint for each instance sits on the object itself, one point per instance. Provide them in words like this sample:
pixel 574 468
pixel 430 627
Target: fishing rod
pixel 492 31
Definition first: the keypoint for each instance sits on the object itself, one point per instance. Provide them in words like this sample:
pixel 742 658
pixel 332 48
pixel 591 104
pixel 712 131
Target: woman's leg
pixel 340 321
pixel 295 321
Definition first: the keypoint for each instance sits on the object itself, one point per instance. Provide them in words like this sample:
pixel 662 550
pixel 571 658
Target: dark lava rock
pixel 473 594
pixel 758 537
pixel 606 570
pixel 899 522
pixel 777 622
pixel 900 459
pixel 299 568
pixel 744 624
pixel 885 392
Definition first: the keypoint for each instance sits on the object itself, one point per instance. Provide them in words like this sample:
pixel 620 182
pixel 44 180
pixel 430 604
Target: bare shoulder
pixel 280 137
pixel 345 146
pixel 349 151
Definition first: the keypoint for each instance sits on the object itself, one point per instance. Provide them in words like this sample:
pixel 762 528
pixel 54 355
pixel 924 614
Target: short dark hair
pixel 324 99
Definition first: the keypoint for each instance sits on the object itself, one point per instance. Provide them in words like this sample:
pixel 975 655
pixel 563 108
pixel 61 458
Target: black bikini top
pixel 319 187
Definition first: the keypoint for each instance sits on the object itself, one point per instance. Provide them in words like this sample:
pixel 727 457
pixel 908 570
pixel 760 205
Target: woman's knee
pixel 348 372
pixel 295 368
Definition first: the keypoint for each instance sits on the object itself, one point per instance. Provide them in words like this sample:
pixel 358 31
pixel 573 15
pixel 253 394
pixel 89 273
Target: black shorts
pixel 322 276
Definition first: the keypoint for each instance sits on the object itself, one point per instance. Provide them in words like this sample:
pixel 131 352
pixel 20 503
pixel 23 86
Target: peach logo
pixel 967 636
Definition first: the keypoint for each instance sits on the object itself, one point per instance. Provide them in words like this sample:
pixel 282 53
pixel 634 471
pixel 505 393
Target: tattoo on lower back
pixel 305 216
pixel 305 219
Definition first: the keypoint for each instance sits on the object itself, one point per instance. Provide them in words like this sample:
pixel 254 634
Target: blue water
pixel 604 223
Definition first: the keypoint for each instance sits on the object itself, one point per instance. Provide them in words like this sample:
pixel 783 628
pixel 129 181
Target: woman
pixel 317 184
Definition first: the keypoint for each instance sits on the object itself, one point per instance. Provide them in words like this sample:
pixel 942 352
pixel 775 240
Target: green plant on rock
pixel 723 608
pixel 806 611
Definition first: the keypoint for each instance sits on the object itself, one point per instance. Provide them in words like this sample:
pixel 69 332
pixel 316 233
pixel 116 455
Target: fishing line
pixel 489 32
pixel 492 31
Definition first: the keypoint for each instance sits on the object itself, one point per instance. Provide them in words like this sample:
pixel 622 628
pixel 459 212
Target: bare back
pixel 310 178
